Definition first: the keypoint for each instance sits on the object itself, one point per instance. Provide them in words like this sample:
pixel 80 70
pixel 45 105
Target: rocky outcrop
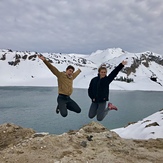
pixel 93 143
pixel 11 134
pixel 3 58
pixel 145 59
pixel 18 57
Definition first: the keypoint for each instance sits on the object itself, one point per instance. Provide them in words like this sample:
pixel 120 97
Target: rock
pixel 92 143
pixel 152 124
pixel 41 134
pixel 89 138
pixel 83 143
pixel 11 134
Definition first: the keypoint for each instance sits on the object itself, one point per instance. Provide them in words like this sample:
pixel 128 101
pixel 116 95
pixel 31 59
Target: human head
pixel 70 67
pixel 102 71
pixel 69 70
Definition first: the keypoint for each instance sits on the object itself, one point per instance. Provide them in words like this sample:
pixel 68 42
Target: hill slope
pixel 92 143
pixel 144 71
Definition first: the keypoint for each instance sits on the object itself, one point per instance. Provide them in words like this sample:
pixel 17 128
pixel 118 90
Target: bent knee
pixel 91 116
pixel 64 114
pixel 78 111
pixel 100 118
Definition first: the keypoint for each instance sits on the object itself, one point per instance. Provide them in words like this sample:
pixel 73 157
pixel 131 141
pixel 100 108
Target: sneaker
pixel 112 107
pixel 57 109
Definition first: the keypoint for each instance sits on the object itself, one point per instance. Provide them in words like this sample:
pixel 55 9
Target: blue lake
pixel 34 107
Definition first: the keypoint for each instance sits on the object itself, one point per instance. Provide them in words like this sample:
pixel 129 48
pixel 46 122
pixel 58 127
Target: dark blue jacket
pixel 99 88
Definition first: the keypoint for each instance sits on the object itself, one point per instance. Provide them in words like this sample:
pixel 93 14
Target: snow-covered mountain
pixel 144 71
pixel 149 127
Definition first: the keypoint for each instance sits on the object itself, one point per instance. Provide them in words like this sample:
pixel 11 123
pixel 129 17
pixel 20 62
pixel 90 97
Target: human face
pixel 69 72
pixel 102 73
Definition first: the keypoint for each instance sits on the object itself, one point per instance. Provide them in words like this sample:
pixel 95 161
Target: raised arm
pixel 76 73
pixel 124 63
pixel 52 68
pixel 41 57
pixel 114 73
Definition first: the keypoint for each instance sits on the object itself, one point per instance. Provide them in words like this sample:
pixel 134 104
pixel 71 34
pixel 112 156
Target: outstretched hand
pixel 41 57
pixel 124 62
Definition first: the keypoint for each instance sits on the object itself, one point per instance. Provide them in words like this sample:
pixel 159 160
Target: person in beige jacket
pixel 65 87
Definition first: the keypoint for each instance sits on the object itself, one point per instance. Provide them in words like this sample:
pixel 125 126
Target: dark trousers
pixel 99 110
pixel 66 103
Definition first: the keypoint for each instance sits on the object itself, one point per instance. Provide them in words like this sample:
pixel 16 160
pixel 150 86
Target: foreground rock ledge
pixel 93 143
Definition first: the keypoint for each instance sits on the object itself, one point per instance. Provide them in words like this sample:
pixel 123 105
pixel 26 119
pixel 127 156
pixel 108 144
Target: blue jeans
pixel 98 109
pixel 66 103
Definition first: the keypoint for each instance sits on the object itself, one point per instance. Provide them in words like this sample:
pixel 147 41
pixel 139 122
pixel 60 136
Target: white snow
pixel 35 73
pixel 140 129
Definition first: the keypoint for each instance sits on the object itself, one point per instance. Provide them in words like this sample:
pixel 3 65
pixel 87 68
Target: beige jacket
pixel 64 83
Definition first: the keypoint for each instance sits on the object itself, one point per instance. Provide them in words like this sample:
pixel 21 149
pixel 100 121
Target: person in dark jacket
pixel 98 91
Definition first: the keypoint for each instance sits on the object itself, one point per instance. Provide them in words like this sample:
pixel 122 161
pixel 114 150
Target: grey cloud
pixel 81 26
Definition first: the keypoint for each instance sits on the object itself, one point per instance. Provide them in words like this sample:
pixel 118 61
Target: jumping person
pixel 98 91
pixel 65 88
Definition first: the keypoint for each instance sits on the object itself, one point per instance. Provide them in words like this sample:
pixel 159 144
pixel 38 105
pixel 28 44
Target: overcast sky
pixel 81 26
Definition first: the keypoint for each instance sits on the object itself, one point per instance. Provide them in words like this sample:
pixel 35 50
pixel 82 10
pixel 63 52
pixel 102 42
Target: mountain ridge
pixel 24 68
